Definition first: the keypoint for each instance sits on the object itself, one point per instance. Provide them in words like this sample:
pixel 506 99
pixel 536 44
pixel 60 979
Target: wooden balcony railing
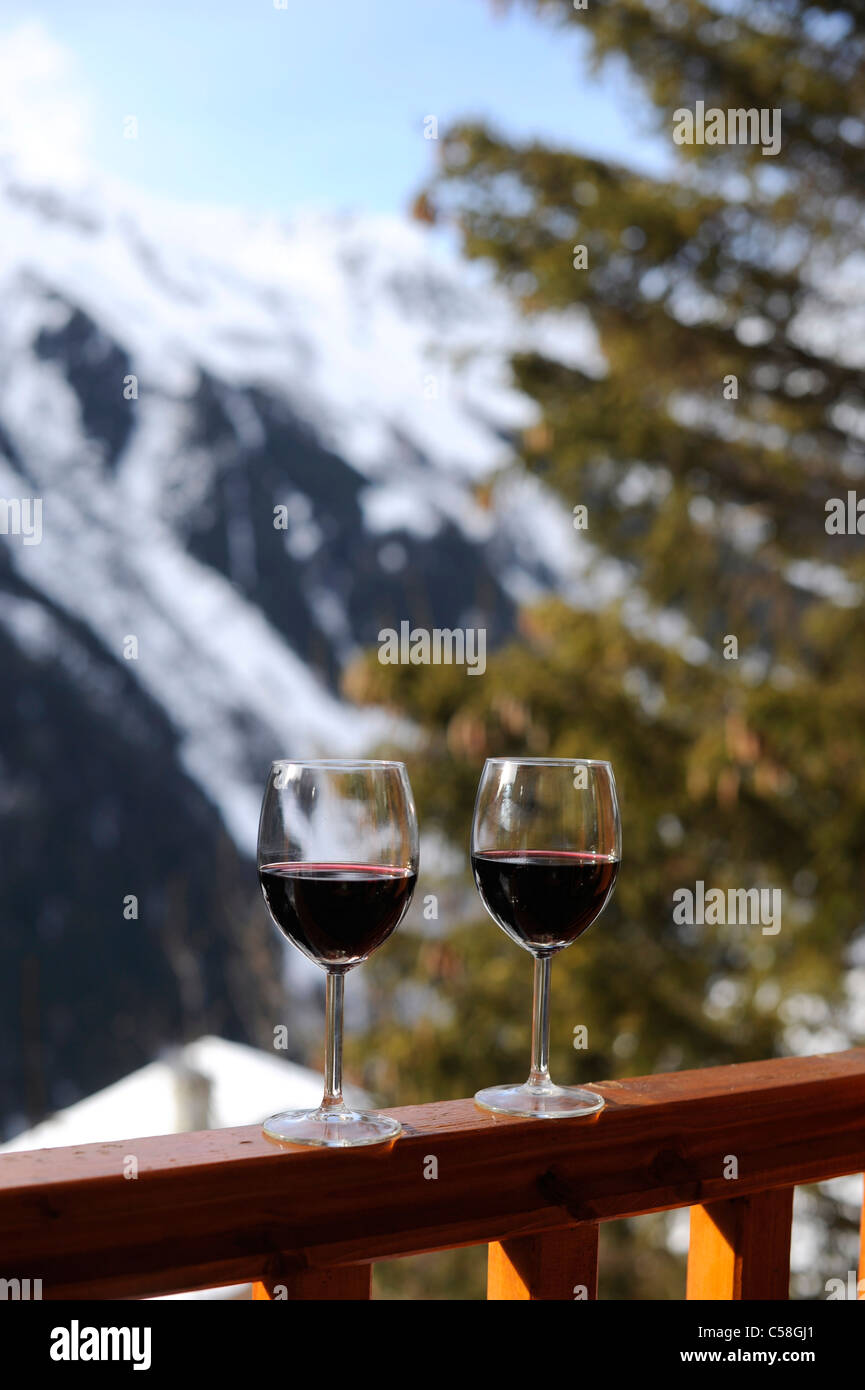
pixel 226 1206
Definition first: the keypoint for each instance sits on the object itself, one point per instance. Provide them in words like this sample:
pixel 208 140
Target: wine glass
pixel 546 846
pixel 337 863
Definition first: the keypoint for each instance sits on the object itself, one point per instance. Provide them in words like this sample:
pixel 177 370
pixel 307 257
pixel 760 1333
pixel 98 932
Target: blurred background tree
pixel 727 301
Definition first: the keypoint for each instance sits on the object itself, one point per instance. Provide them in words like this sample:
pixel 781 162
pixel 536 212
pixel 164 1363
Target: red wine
pixel 544 899
pixel 337 914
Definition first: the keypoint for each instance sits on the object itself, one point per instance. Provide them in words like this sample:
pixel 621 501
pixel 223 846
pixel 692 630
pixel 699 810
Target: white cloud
pixel 44 113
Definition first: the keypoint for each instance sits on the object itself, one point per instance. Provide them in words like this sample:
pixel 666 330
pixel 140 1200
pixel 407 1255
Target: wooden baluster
pixel 333 1282
pixel 740 1248
pixel 550 1266
pixel 860 1287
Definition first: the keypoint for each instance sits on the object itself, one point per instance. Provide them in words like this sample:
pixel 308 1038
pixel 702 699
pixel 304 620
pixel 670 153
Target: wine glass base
pixel 553 1103
pixel 331 1129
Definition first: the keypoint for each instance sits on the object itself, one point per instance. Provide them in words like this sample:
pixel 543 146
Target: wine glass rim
pixel 345 763
pixel 554 762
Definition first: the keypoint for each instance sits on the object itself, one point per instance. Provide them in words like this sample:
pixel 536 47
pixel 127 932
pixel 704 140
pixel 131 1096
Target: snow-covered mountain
pixel 169 378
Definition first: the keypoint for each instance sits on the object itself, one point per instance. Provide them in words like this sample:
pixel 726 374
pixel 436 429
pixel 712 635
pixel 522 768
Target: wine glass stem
pixel 334 992
pixel 539 1078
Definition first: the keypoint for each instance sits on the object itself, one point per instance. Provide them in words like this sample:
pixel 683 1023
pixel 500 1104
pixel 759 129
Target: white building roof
pixel 208 1084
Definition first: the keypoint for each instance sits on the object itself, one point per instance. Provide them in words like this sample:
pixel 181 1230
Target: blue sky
pixel 321 104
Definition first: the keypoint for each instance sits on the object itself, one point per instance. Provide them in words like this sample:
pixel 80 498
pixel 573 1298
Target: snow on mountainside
pixel 352 371
pixel 361 334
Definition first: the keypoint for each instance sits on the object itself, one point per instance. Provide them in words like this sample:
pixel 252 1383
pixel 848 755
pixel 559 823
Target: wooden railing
pixel 153 1216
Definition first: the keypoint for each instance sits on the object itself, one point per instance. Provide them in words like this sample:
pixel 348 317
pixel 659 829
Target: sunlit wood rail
pixel 161 1215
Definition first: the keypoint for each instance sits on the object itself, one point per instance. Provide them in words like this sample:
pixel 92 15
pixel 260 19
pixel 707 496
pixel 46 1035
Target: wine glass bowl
pixel 337 865
pixel 546 848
